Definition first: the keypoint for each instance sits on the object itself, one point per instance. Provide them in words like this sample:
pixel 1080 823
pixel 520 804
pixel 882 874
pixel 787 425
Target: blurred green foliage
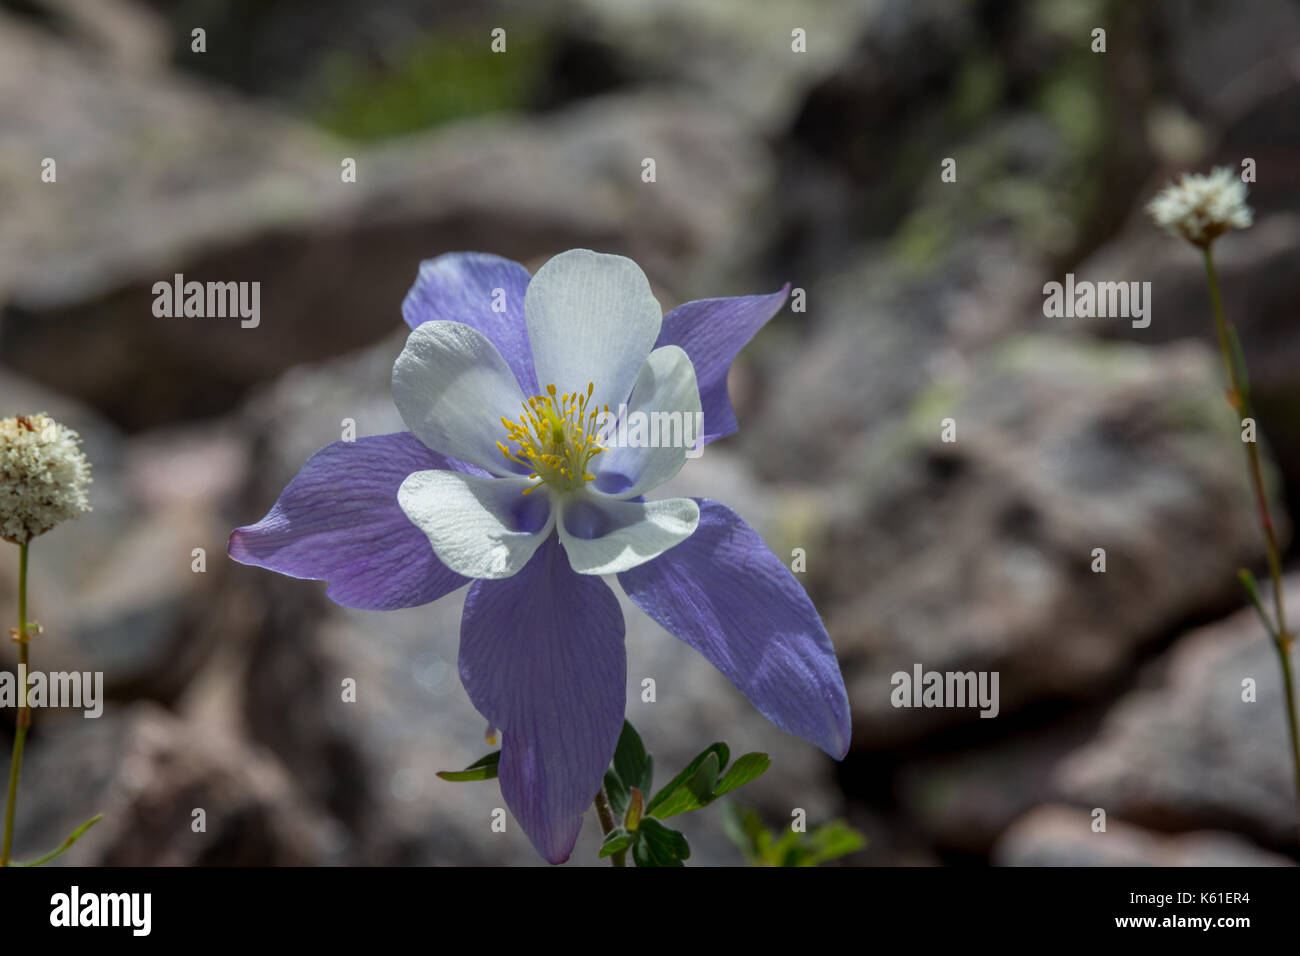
pixel 1033 140
pixel 433 80
pixel 762 847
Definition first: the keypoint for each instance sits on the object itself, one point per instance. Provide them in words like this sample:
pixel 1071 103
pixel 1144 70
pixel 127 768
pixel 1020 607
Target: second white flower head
pixel 1201 208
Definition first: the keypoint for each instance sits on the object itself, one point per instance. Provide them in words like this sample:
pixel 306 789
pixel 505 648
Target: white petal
pixel 479 527
pixel 602 536
pixel 452 388
pixel 663 421
pixel 591 318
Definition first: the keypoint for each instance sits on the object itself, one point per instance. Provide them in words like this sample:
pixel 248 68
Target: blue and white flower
pixel 504 482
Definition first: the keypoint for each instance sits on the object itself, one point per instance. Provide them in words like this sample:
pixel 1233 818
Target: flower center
pixel 555 437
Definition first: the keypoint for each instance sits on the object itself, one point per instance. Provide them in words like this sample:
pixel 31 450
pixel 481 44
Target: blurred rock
pixel 964 799
pixel 1062 836
pixel 154 180
pixel 890 841
pixel 976 555
pixel 286 50
pixel 1223 54
pixel 147 772
pixel 738 55
pixel 1047 137
pixel 123 31
pixel 831 382
pixel 150 169
pixel 1188 752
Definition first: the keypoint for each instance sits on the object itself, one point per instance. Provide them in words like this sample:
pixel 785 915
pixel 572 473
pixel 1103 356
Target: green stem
pixel 24 712
pixel 1239 398
pixel 1283 646
pixel 605 813
pixel 1221 324
pixel 66 844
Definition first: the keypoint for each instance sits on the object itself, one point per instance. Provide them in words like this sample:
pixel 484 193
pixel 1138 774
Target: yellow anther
pixel 555 437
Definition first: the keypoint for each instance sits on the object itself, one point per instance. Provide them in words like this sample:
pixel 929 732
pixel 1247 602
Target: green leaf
pixel 694 792
pixel 795 855
pixel 485 768
pixel 617 793
pixel 833 840
pixel 785 851
pixel 617 839
pixel 747 768
pixel 744 828
pixel 657 845
pixel 762 847
pixel 633 766
pixel 720 752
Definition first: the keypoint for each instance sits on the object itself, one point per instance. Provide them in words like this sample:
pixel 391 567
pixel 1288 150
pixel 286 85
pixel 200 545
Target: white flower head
pixel 43 476
pixel 1201 208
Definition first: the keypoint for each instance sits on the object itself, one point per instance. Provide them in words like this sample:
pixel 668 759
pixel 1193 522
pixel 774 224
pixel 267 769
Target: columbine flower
pixel 1202 208
pixel 503 479
pixel 43 476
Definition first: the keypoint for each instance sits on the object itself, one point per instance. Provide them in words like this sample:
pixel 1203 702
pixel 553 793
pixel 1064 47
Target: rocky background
pixel 1119 691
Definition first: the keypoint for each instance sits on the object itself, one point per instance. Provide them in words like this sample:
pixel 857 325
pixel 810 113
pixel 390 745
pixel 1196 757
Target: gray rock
pixel 126 33
pixel 78 261
pixel 147 772
pixel 1055 835
pixel 1187 751
pixel 977 554
pixel 831 383
pixel 731 52
pixel 1222 53
pixel 963 800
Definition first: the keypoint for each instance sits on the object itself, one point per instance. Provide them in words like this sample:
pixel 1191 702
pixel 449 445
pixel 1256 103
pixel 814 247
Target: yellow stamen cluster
pixel 556 436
